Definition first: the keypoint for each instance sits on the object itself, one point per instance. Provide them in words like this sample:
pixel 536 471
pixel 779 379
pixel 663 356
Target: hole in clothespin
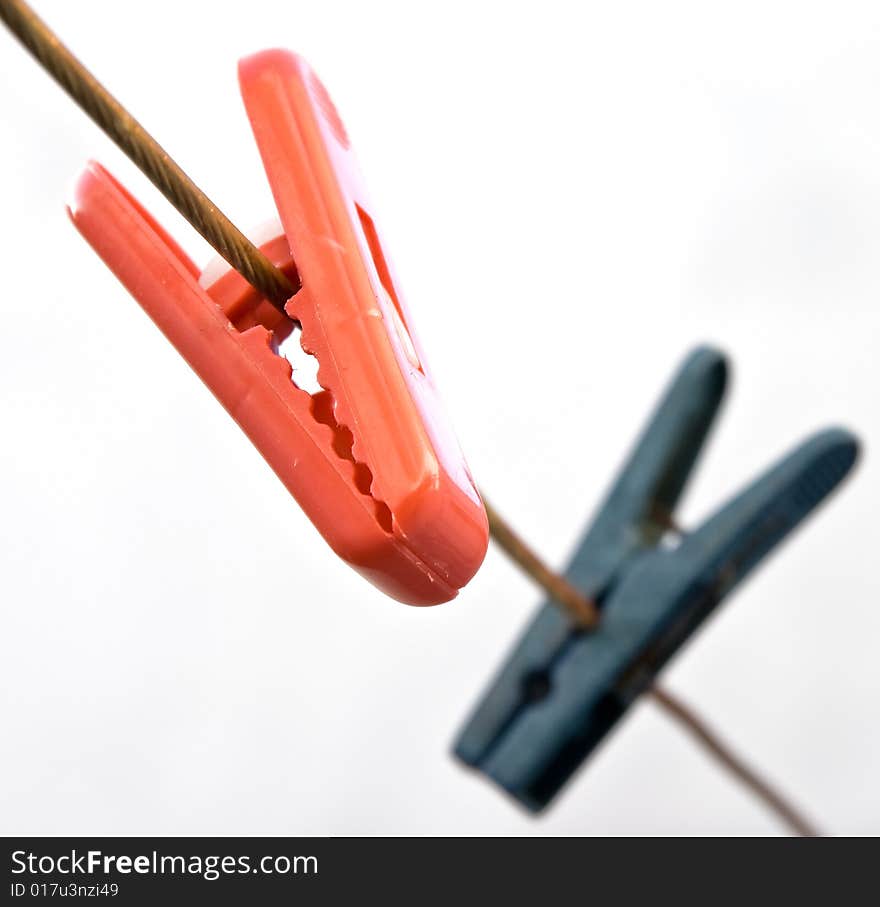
pixel 536 686
pixel 384 274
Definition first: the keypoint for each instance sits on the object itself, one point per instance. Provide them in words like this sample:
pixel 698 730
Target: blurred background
pixel 573 195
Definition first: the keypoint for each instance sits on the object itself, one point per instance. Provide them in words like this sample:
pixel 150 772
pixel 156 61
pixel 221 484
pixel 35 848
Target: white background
pixel 574 195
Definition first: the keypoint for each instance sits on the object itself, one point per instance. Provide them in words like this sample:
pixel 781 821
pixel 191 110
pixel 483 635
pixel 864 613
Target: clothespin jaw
pixel 371 458
pixel 562 690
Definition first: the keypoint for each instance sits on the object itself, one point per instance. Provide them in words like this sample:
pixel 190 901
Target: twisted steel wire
pixel 155 162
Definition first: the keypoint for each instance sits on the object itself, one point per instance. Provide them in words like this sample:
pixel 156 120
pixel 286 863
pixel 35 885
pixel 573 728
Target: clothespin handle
pixel 722 552
pixel 643 497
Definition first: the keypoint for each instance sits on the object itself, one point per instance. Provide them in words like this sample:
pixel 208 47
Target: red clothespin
pixel 371 457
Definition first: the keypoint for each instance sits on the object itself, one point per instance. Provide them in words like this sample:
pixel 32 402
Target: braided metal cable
pixel 146 153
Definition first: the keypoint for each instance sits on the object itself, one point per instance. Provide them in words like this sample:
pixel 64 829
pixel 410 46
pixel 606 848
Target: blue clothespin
pixel 562 690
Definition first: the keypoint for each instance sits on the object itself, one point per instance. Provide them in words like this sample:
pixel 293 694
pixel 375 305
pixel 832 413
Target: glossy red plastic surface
pixel 371 458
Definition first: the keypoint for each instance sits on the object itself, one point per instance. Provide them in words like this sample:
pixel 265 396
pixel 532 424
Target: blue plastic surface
pixel 562 690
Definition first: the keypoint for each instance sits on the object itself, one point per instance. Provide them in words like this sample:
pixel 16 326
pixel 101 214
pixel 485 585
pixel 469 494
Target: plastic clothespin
pixel 371 458
pixel 562 690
